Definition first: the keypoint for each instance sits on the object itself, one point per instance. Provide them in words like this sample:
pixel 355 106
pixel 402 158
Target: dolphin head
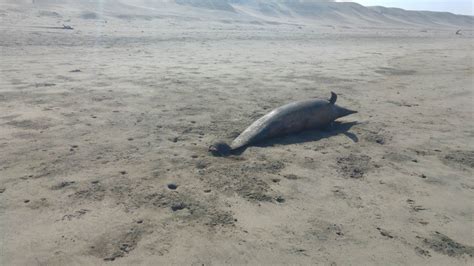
pixel 220 148
pixel 341 111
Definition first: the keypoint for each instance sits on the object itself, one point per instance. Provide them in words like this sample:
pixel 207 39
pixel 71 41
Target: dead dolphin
pixel 287 119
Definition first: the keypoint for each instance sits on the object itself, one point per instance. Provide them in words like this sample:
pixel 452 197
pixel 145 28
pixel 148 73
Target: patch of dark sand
pixel 354 165
pixel 373 137
pixel 247 179
pixel 445 245
pixel 189 208
pixel 324 230
pixel 94 192
pixel 459 158
pixel 117 243
pixel 389 71
pixel 62 185
pixel 29 124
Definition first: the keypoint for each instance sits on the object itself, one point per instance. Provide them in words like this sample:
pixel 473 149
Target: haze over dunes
pixel 313 12
pixel 108 108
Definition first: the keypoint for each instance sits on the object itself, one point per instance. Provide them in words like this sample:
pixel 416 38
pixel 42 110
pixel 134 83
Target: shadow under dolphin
pixel 311 135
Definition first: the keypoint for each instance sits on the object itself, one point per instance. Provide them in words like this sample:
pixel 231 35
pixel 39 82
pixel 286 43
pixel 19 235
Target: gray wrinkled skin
pixel 288 119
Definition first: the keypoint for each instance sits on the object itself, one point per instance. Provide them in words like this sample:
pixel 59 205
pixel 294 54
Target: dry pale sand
pixel 95 123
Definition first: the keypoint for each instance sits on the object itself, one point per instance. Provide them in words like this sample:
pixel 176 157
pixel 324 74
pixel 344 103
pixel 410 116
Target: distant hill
pixel 334 12
pixel 300 11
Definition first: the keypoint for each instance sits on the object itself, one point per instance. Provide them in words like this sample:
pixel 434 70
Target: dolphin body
pixel 287 119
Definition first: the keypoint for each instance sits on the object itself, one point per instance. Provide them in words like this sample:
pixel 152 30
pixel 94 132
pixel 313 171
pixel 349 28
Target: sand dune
pixel 105 127
pixel 313 12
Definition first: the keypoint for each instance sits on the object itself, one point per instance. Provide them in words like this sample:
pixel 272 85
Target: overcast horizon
pixel 463 7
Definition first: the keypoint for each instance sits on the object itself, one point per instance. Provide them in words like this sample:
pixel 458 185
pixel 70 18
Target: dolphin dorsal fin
pixel 333 98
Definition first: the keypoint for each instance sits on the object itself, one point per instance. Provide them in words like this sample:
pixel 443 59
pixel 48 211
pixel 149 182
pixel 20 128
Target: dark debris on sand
pixel 445 245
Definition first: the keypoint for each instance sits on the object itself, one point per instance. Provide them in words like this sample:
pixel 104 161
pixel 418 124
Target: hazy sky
pixel 454 6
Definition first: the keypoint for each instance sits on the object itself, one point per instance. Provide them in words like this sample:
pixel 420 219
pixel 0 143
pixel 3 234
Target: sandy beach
pixel 105 129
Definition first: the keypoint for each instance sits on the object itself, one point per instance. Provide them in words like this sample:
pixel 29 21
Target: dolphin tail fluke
pixel 333 98
pixel 341 111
